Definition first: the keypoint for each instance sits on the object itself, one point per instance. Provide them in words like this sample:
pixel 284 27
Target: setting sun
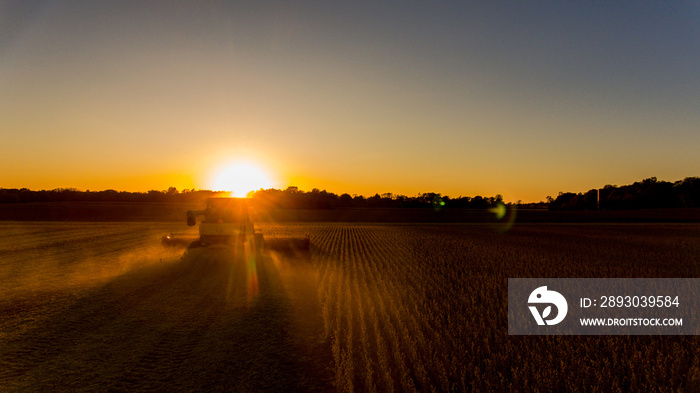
pixel 240 179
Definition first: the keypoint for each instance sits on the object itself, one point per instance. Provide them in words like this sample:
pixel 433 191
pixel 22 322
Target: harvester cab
pixel 226 221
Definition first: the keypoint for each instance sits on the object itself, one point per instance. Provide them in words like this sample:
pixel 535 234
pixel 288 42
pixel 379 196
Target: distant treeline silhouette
pixel 171 195
pixel 293 198
pixel 290 198
pixel 647 194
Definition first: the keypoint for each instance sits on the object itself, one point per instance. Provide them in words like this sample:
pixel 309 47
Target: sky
pixel 519 98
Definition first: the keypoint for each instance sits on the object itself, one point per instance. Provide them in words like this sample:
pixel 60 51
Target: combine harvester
pixel 227 223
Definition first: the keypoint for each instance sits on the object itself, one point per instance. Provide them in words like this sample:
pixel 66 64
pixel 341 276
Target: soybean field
pixel 369 308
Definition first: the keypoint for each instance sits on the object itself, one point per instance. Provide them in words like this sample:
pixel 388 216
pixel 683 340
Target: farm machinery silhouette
pixel 226 222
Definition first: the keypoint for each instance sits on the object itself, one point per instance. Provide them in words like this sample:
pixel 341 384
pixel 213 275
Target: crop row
pixel 420 308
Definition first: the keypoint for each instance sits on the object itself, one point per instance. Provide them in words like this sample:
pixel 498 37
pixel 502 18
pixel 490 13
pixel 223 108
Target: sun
pixel 240 179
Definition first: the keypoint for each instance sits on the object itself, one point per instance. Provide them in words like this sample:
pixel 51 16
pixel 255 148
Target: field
pixel 372 307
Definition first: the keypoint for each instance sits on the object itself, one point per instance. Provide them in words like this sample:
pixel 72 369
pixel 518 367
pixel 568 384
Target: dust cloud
pixel 48 269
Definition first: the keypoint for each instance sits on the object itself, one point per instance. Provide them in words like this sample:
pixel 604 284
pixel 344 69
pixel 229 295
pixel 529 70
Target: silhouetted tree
pixel 647 194
pixel 345 200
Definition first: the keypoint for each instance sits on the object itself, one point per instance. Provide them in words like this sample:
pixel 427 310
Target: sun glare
pixel 240 179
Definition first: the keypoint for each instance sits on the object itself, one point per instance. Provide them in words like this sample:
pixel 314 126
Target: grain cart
pixel 227 222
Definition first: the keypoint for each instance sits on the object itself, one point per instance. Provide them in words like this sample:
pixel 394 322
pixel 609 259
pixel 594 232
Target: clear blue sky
pixel 524 99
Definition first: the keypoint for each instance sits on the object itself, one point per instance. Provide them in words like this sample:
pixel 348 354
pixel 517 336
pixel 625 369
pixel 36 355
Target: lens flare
pixel 438 203
pixel 504 217
pixel 499 210
pixel 252 286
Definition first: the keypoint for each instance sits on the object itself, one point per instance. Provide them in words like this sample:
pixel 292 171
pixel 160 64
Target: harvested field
pixel 100 306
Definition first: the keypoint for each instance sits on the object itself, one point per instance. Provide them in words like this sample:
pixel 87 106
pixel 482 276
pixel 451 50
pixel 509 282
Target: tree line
pixel 646 194
pixel 171 195
pixel 293 198
pixel 289 198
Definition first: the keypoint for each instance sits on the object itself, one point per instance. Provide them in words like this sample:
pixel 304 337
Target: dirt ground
pixel 82 310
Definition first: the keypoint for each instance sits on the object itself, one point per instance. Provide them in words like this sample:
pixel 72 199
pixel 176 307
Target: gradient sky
pixel 521 98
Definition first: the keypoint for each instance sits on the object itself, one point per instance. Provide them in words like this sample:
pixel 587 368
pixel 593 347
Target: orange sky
pixel 519 100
